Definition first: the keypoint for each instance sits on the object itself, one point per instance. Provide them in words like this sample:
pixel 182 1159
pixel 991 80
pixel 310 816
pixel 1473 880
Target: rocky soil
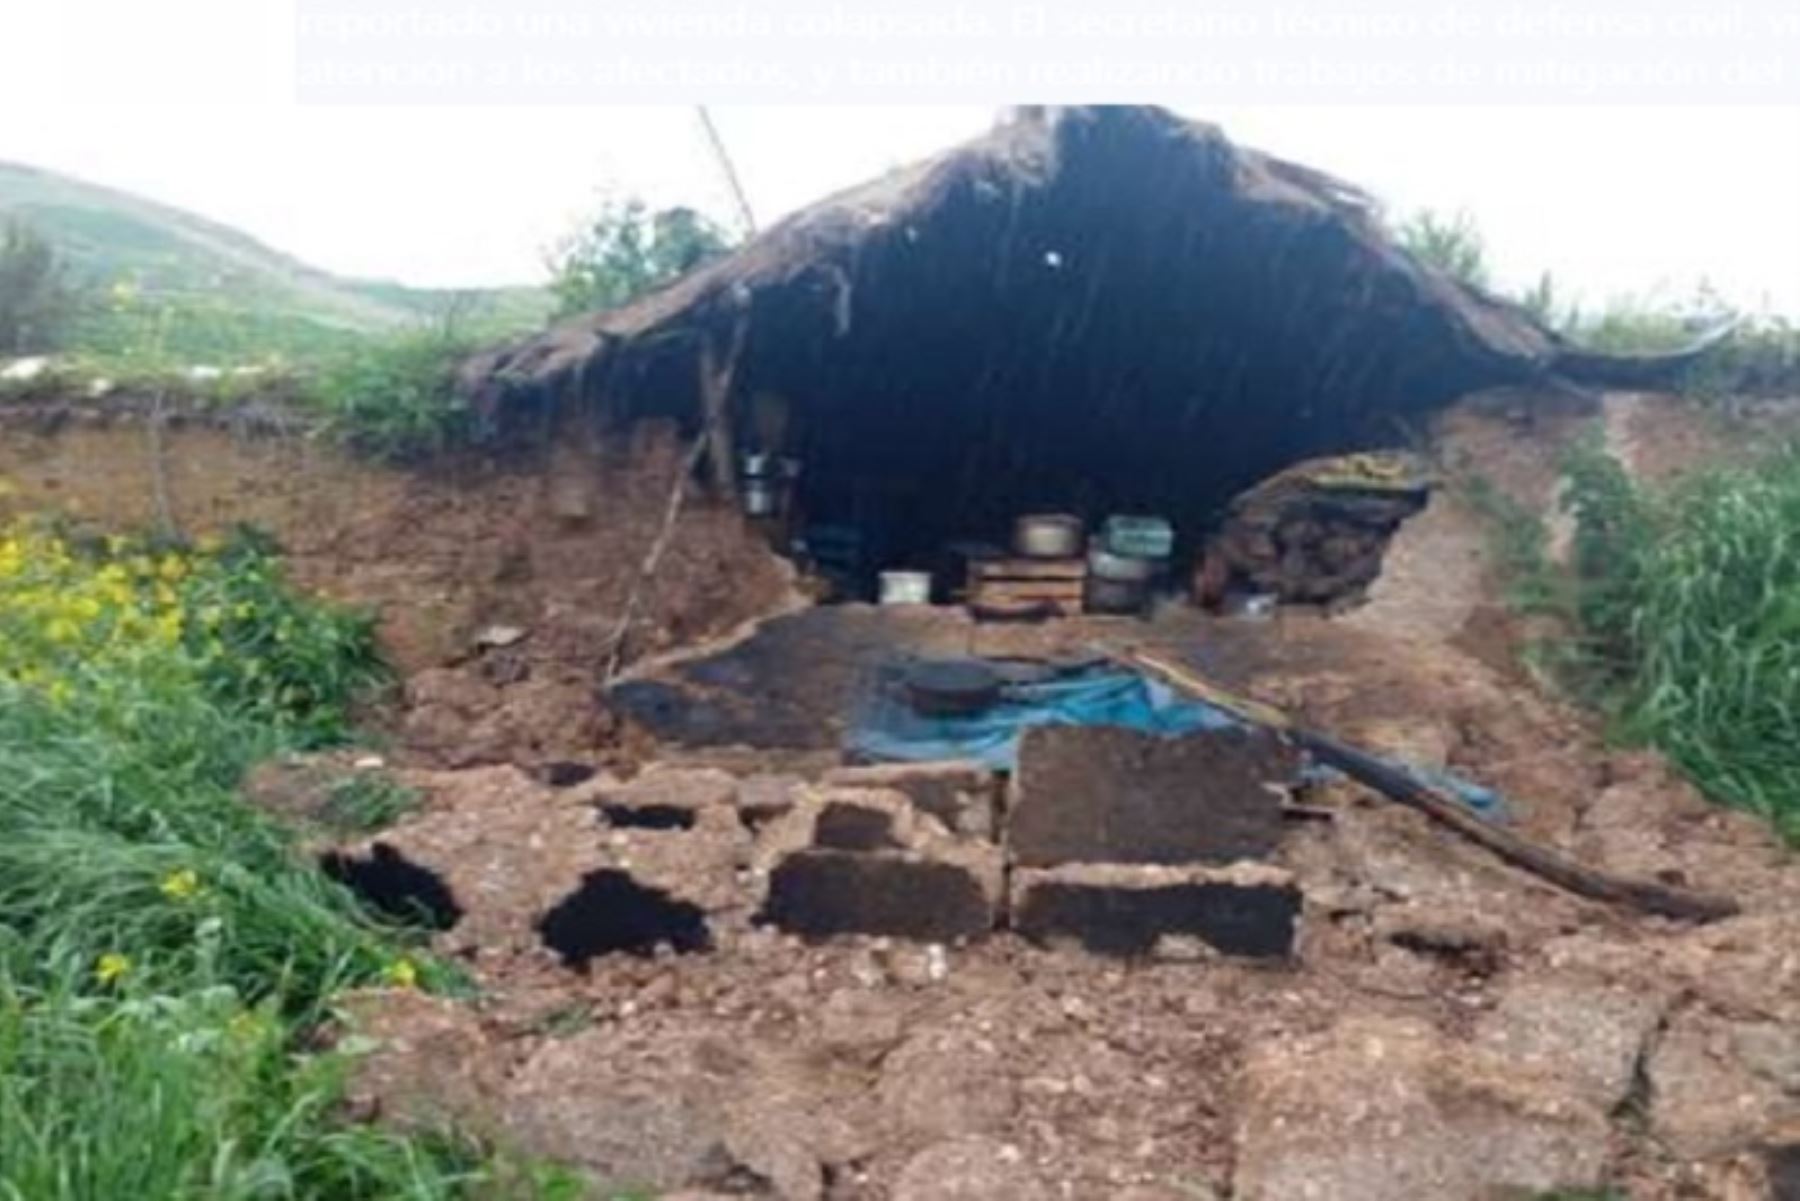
pixel 655 1008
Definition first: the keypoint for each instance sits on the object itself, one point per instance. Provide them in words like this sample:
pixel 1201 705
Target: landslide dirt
pixel 1443 1010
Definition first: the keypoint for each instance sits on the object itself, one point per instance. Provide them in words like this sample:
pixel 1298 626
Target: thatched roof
pixel 818 247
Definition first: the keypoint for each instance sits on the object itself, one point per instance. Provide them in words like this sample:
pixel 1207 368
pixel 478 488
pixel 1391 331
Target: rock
pixel 498 637
pixel 864 861
pixel 858 1025
pixel 1095 794
pixel 1586 1031
pixel 682 788
pixel 1384 1109
pixel 763 798
pixel 1245 909
pixel 960 794
pixel 968 1169
pixel 945 1084
pixel 1718 1086
pixel 629 1114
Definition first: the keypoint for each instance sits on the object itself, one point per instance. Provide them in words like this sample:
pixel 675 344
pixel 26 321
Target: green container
pixel 1139 537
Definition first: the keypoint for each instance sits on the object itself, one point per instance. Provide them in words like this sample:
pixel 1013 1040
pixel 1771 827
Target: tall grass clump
pixel 163 948
pixel 1689 606
pixel 395 397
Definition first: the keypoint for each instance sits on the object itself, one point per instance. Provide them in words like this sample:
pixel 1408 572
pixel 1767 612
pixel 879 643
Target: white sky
pixel 193 102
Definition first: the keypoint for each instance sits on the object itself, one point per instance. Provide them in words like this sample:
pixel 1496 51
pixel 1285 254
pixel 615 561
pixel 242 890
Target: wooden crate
pixel 1011 583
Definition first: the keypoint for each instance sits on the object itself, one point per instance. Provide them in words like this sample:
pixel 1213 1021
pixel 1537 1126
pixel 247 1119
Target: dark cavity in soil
pixel 649 817
pixel 611 912
pixel 394 886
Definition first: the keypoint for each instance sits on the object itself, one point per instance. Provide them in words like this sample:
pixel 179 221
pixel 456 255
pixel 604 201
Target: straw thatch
pixel 1113 293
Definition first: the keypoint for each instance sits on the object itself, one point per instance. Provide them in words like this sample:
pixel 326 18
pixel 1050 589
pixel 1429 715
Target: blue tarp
pixel 888 729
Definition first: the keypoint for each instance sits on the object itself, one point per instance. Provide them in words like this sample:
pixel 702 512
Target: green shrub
pixel 625 250
pixel 396 397
pixel 1453 244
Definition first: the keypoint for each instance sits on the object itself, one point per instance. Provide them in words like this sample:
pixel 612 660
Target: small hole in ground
pixel 612 912
pixel 566 773
pixel 395 886
pixel 649 817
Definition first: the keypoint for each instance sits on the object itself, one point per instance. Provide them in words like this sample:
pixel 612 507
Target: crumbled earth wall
pixel 546 541
pixel 1442 1026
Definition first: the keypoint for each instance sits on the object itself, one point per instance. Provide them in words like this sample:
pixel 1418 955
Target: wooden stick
pixel 1446 810
pixel 715 388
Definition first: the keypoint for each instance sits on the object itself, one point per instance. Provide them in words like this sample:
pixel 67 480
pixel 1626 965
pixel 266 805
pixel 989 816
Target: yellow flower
pixel 111 967
pixel 180 885
pixel 402 974
pixel 246 1026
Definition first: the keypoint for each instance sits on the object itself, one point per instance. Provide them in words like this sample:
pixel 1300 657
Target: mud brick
pixel 1097 794
pixel 1122 909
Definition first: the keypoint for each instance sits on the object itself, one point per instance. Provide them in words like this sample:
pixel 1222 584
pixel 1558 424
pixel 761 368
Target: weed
pixel 1689 603
pixel 366 802
pixel 163 948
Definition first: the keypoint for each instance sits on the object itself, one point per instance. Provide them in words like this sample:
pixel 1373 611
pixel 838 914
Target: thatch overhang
pixel 1112 301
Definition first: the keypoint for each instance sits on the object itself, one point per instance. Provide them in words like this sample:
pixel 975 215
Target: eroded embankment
pixel 544 542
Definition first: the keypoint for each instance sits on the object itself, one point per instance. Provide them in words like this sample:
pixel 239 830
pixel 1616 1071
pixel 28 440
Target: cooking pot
pixel 1115 596
pixel 906 587
pixel 761 498
pixel 1048 536
pixel 1125 569
pixel 951 687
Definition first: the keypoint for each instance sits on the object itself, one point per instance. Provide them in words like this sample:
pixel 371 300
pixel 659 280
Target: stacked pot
pixel 1124 560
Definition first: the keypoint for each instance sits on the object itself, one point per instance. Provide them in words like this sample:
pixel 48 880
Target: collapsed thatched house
pixel 1098 309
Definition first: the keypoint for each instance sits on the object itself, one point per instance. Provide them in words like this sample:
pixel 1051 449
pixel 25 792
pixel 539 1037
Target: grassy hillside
pixel 163 278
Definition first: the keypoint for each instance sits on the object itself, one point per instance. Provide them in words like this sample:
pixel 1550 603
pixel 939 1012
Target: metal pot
pixel 1125 569
pixel 952 687
pixel 906 587
pixel 1115 596
pixel 1048 536
pixel 762 498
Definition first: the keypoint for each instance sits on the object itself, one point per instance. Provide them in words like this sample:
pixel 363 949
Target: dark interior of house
pixel 1080 344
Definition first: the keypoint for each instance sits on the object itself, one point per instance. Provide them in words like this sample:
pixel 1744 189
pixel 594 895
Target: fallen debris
pixel 1384 1109
pixel 1097 794
pixel 1409 790
pixel 1120 909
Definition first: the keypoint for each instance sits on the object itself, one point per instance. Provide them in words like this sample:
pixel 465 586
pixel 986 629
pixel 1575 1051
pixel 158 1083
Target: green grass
pixel 164 949
pixel 1693 602
pixel 1683 615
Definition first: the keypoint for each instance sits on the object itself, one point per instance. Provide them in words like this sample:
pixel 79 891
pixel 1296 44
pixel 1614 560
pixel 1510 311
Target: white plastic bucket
pixel 906 587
